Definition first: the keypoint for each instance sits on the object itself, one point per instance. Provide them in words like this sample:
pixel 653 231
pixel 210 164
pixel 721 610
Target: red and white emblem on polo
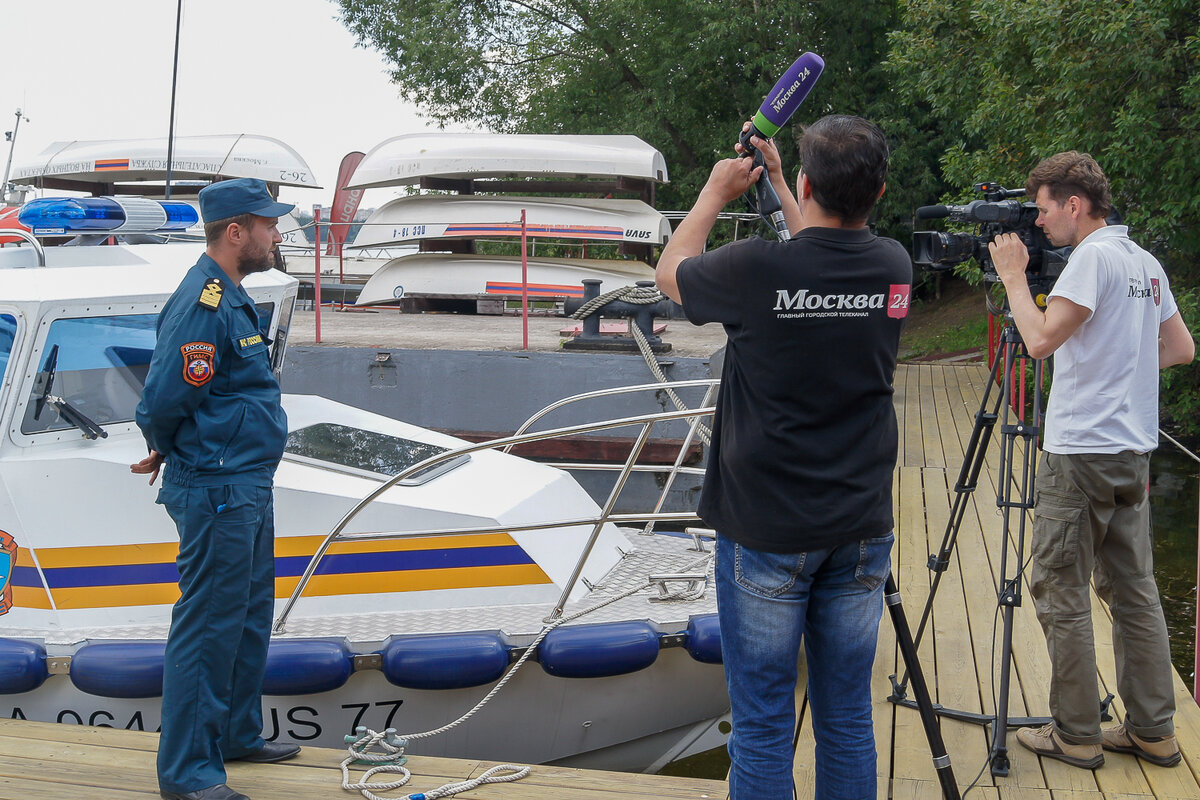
pixel 198 362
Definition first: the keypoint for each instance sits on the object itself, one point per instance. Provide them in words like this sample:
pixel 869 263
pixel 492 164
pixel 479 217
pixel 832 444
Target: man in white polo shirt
pixel 1111 323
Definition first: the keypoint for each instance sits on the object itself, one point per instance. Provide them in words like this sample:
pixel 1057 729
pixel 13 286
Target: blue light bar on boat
pixel 63 216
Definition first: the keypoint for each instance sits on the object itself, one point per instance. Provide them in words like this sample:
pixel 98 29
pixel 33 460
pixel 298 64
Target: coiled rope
pixel 641 296
pixel 390 761
pixel 392 758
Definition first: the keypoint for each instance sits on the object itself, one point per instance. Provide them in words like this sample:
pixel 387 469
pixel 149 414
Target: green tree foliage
pixel 681 74
pixel 1009 82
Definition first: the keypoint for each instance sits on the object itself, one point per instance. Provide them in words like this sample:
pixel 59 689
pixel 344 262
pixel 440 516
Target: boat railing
pixel 38 250
pixel 643 422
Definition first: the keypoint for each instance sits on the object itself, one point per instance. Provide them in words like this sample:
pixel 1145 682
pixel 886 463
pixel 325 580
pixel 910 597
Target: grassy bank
pixel 954 325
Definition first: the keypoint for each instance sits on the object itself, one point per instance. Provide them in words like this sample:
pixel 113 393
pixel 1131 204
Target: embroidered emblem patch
pixel 198 362
pixel 211 294
pixel 8 560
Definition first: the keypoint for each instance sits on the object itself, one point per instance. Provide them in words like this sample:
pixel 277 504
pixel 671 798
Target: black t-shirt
pixel 804 442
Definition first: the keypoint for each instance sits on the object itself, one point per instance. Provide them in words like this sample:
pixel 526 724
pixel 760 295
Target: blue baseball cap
pixel 226 199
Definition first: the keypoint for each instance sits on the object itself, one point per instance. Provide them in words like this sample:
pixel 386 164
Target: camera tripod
pixel 1014 493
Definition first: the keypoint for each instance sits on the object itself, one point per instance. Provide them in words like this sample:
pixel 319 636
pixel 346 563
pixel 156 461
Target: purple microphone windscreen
pixel 789 92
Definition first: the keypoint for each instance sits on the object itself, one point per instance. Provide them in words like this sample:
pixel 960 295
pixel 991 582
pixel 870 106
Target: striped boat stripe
pixel 111 163
pixel 110 576
pixel 556 290
pixel 557 231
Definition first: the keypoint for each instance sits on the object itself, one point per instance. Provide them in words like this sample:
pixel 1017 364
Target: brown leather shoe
pixel 1163 751
pixel 1046 742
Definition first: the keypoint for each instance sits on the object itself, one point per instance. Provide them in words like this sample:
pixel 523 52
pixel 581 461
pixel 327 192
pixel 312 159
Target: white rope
pixel 642 295
pixel 393 756
pixel 1182 449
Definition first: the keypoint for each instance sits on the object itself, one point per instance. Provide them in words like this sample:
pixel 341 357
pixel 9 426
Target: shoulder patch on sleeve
pixel 211 294
pixel 198 362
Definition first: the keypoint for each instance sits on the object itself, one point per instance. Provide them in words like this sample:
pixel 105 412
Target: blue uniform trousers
pixel 217 648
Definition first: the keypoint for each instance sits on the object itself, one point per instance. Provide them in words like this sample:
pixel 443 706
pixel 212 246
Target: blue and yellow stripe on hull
pixel 145 574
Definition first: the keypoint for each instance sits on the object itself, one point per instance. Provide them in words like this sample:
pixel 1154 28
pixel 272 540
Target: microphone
pixel 933 212
pixel 782 101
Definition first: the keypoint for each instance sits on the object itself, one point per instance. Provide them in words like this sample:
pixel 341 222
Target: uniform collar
pixel 234 294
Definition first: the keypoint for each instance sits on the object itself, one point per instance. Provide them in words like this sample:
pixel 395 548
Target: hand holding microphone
pixel 781 102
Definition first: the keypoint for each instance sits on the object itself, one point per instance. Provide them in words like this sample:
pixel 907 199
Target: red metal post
pixel 524 286
pixel 317 268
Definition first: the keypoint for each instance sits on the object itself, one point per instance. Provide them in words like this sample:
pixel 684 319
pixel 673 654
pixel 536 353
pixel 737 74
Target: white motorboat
pixel 406 160
pixel 449 275
pixel 412 568
pixel 508 168
pixel 139 167
pixel 443 216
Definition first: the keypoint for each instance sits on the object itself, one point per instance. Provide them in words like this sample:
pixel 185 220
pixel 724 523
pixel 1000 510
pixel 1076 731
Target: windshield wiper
pixel 44 384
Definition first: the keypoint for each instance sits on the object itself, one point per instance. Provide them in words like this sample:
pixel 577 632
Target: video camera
pixel 997 213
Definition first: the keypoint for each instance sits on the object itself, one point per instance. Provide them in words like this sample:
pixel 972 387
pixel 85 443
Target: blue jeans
pixel 831 601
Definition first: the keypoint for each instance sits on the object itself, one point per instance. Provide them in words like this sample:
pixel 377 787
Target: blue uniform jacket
pixel 211 404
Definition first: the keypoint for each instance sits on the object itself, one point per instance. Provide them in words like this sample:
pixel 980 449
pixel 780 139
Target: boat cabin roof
pixel 88 165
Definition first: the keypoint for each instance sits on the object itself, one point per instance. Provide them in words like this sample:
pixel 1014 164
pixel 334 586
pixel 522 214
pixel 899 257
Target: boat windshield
pixel 8 334
pixel 359 451
pixel 96 364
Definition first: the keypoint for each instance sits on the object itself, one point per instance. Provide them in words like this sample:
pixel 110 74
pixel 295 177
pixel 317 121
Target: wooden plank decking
pixel 48 761
pixel 960 650
pixel 958 654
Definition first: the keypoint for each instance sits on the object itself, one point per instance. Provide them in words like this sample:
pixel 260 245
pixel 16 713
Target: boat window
pixel 358 451
pixel 265 312
pixel 96 364
pixel 8 335
pixel 279 346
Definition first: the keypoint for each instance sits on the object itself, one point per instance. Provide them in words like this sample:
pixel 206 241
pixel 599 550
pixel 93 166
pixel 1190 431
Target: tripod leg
pixel 968 480
pixel 941 759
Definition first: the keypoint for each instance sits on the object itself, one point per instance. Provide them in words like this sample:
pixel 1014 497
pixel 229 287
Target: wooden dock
pixel 958 654
pixel 960 650
pixel 47 761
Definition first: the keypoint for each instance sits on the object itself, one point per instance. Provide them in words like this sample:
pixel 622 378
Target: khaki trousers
pixel 1092 514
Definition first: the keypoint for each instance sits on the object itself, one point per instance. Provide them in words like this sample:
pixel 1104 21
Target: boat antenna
pixel 174 80
pixel 11 136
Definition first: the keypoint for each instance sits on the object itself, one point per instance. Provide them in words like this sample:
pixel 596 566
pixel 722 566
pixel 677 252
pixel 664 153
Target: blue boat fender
pixel 704 639
pixel 307 666
pixel 119 669
pixel 22 666
pixel 445 661
pixel 598 651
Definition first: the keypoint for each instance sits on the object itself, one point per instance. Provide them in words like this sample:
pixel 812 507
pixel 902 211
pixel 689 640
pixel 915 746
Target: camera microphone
pixel 933 212
pixel 781 102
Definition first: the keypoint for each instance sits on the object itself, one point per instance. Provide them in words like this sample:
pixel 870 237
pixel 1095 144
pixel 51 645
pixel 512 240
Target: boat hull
pixel 558 719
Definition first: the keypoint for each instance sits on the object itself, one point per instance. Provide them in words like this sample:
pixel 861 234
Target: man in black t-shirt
pixel 799 479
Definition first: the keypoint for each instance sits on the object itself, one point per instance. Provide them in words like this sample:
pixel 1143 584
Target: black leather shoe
pixel 218 792
pixel 270 752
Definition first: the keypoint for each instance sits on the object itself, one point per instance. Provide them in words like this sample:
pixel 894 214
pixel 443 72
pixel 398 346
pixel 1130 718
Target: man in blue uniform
pixel 211 412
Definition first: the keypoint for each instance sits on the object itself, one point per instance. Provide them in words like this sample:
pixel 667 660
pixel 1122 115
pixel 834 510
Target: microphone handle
pixel 747 148
pixel 769 207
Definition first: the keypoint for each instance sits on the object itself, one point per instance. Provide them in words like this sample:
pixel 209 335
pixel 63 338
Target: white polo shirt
pixel 1104 396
